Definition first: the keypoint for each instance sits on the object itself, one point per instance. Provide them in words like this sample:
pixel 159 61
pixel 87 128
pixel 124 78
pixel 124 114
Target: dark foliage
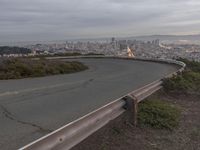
pixel 13 50
pixel 187 82
pixel 158 114
pixel 23 68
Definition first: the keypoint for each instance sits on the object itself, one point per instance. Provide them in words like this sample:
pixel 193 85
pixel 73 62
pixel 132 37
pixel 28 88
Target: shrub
pixel 158 114
pixel 22 68
pixel 186 83
pixel 191 65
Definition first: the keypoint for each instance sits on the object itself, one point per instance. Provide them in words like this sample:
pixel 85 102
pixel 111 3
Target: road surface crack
pixel 10 116
pixel 86 83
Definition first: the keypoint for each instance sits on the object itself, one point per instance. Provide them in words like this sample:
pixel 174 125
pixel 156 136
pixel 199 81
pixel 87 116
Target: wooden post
pixel 132 106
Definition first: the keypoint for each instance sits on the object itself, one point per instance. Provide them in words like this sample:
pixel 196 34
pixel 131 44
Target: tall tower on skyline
pixel 112 40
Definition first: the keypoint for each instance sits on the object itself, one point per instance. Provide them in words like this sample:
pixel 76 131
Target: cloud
pixel 63 19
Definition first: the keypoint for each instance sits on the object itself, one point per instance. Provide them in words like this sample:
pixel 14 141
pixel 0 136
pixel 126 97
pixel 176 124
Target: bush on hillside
pixel 23 68
pixel 158 114
pixel 187 82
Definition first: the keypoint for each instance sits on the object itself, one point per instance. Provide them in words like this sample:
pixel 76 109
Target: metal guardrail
pixel 73 133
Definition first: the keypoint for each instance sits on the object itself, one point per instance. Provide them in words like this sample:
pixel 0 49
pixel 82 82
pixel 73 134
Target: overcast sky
pixel 22 20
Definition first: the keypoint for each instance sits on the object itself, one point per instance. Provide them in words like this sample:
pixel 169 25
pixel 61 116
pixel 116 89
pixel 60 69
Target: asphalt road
pixel 31 108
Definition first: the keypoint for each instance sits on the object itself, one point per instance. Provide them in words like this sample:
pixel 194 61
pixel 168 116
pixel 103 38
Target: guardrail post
pixel 132 107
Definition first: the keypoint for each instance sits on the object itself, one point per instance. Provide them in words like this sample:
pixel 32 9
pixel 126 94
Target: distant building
pixel 156 42
pixel 33 52
pixel 112 40
pixel 66 45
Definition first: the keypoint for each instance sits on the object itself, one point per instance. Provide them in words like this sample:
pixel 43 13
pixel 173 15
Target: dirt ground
pixel 120 134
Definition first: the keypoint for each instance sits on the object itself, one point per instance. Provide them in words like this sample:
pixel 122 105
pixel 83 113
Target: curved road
pixel 31 108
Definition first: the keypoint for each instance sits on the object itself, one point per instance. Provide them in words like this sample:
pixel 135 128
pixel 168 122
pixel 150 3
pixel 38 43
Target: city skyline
pixel 23 20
